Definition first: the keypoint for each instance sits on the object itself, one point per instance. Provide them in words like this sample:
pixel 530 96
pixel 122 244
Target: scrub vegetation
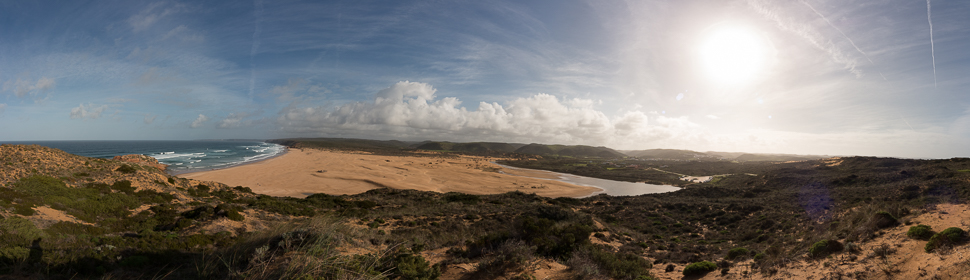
pixel 147 224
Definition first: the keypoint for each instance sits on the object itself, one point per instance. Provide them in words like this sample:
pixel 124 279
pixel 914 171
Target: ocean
pixel 180 156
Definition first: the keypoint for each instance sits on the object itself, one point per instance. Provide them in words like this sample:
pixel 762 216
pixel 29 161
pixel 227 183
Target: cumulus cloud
pixel 411 109
pixel 3 106
pixel 198 122
pixel 24 87
pixel 88 111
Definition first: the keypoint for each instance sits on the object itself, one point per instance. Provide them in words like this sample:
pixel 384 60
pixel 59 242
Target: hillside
pixel 366 145
pixel 775 157
pixel 471 148
pixel 568 151
pixel 668 154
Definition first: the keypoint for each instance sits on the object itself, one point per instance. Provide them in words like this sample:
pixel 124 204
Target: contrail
pixel 907 123
pixel 929 19
pixel 252 53
pixel 840 31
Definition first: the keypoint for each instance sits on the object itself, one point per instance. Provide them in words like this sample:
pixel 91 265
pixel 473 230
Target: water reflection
pixel 609 187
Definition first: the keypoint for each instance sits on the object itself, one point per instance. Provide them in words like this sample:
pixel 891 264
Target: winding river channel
pixel 609 187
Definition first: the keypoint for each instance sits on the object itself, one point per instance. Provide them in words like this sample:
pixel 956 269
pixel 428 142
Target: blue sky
pixel 806 77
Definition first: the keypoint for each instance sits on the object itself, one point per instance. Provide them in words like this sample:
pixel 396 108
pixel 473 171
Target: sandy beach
pixel 299 173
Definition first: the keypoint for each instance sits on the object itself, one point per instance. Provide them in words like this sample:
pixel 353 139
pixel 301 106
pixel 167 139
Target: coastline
pixel 183 172
pixel 301 172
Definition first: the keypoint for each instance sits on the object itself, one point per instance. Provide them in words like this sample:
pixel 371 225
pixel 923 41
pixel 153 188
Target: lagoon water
pixel 609 187
pixel 180 156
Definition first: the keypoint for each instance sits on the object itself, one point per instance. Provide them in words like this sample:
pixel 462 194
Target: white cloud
pixel 21 87
pixel 156 11
pixel 411 110
pixel 3 106
pixel 237 120
pixel 184 33
pixel 713 117
pixel 89 111
pixel 808 33
pixel 149 119
pixel 198 122
pixel 298 90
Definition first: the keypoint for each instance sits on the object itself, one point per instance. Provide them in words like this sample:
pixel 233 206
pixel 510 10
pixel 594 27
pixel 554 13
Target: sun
pixel 733 55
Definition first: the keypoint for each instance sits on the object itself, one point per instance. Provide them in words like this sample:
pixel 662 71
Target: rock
pixel 142 160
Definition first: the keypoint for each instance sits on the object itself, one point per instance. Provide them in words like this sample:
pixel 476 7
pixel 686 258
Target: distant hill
pixel 343 143
pixel 569 150
pixel 475 147
pixel 667 154
pixel 776 157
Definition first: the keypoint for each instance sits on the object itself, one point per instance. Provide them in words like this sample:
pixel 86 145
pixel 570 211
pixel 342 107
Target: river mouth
pixel 608 187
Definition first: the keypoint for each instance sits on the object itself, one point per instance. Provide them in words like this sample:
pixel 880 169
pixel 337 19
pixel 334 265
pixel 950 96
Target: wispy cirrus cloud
pixel 153 13
pixel 807 32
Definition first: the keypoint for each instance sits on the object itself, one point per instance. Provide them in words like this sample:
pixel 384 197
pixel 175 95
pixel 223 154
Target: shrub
pixel 759 257
pixel 414 267
pixel 946 237
pixel 699 268
pixel 737 253
pixel 127 169
pixel 824 247
pixel 230 212
pixel 462 198
pixel 883 219
pixel 921 232
pixel 243 189
pixel 621 265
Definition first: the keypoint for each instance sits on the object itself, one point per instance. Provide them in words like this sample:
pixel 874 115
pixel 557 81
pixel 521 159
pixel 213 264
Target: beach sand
pixel 299 173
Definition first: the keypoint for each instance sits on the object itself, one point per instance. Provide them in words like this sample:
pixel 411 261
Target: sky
pixel 824 77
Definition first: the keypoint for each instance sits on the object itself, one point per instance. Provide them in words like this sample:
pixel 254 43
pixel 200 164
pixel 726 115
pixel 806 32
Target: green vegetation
pixel 124 168
pixel 921 232
pixel 824 248
pixel 776 215
pixel 737 253
pixel 699 268
pixel 884 219
pixel 947 237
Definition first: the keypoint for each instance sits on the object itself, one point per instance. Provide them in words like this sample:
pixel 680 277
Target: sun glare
pixel 732 55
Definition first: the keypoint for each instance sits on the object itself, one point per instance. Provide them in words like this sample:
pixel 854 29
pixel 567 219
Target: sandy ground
pixel 299 173
pixel 906 258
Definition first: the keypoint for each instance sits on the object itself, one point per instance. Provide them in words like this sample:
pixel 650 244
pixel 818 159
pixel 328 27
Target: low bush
pixel 884 220
pixel 621 265
pixel 824 248
pixel 127 169
pixel 462 198
pixel 414 267
pixel 699 268
pixel 947 237
pixel 921 232
pixel 737 253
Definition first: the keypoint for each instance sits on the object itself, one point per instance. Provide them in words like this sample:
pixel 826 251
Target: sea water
pixel 180 156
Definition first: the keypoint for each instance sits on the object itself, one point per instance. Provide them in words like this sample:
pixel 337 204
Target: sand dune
pixel 299 173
